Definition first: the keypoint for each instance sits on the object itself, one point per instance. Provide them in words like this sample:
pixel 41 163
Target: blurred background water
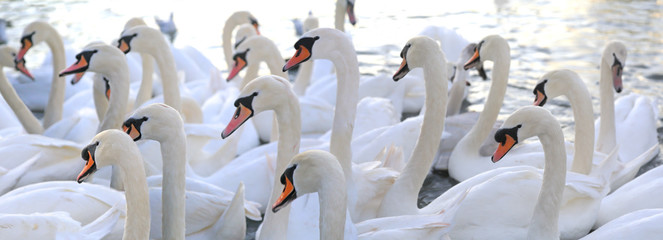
pixel 543 35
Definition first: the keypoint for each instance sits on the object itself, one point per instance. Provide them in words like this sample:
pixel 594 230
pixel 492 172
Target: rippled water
pixel 543 35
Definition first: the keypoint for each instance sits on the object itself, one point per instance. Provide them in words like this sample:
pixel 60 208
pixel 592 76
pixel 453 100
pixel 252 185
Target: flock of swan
pixel 336 160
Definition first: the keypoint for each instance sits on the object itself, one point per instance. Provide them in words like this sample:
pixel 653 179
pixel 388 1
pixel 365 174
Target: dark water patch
pixel 436 183
pixel 655 76
pixel 418 17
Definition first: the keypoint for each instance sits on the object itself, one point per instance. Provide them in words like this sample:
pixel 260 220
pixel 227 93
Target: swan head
pixel 524 123
pixel 553 84
pixel 319 43
pixel 415 54
pixel 101 58
pixel 34 33
pixel 147 122
pixel 106 148
pixel 261 94
pixel 78 76
pixel 240 60
pixel 614 55
pixel 254 23
pixel 140 39
pixel 7 55
pixel 490 48
pixel 308 172
pixel 252 50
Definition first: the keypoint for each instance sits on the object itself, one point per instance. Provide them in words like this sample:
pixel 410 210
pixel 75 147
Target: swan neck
pixel 145 90
pixel 119 97
pixel 53 111
pixel 333 205
pixel 137 225
pixel 544 224
pixel 457 91
pixel 288 115
pixel 173 150
pixel 233 21
pixel 607 139
pixel 581 105
pixel 339 15
pixel 402 197
pixel 24 115
pixel 166 63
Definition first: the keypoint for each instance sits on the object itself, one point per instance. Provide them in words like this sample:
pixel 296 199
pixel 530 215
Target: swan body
pixel 641 224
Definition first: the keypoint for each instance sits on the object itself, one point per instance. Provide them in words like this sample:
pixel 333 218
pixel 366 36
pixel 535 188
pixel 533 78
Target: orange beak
pixel 123 46
pixel 87 170
pixel 617 77
pixel 402 70
pixel 473 61
pixel 350 9
pixel 503 148
pixel 77 78
pixel 300 56
pixel 132 131
pixel 76 67
pixel 241 115
pixel 285 197
pixel 255 25
pixel 239 65
pixel 20 66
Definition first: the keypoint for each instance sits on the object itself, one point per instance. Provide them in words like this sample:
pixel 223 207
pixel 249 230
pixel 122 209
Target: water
pixel 543 35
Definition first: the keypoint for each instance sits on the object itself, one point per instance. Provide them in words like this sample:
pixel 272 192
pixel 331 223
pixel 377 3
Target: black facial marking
pixel 241 55
pixel 127 40
pixel 88 154
pixel 541 88
pixel 618 64
pixel 476 60
pixel 87 55
pixel 107 88
pixel 500 135
pixel 405 49
pixel 246 102
pixel 288 173
pixel 27 38
pixel 136 122
pixel 306 42
pixel 254 21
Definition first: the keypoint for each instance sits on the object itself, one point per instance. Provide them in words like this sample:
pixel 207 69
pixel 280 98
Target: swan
pixel 35 33
pixel 319 171
pixel 144 39
pixel 483 213
pixel 114 147
pixel 24 115
pixel 236 19
pixel 145 124
pixel 403 195
pixel 631 114
pixel 568 83
pixel 641 224
pixel 303 78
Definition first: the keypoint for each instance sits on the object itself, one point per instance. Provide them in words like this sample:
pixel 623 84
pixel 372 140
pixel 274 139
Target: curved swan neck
pixel 607 139
pixel 173 150
pixel 166 63
pixel 339 15
pixel 347 95
pixel 581 104
pixel 544 224
pixel 137 225
pixel 53 111
pixel 457 91
pixel 119 84
pixel 288 115
pixel 402 197
pixel 145 90
pixel 24 115
pixel 233 21
pixel 333 204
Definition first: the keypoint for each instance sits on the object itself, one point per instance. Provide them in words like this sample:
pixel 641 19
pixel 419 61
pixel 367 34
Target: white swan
pixel 114 147
pixel 568 83
pixel 236 19
pixel 343 7
pixel 146 123
pixel 422 52
pixel 24 115
pixel 36 33
pixel 631 115
pixel 501 202
pixel 319 171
